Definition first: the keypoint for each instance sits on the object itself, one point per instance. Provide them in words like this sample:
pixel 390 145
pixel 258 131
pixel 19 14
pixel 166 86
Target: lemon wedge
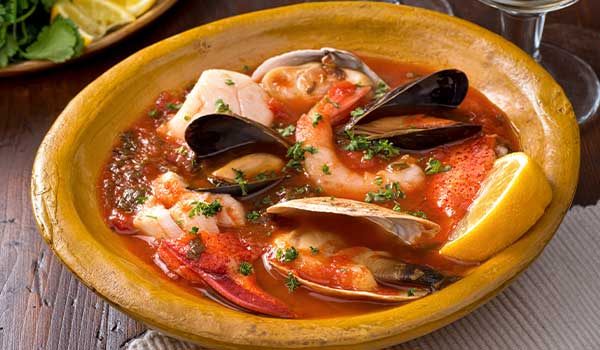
pixel 104 12
pixel 511 199
pixel 88 28
pixel 135 7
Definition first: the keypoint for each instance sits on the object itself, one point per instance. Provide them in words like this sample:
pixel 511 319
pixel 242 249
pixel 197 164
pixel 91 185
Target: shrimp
pixel 340 180
pixel 167 212
pixel 219 89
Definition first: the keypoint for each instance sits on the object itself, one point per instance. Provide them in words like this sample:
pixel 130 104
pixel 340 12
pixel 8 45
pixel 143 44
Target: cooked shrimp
pixel 167 212
pixel 341 180
pixel 231 91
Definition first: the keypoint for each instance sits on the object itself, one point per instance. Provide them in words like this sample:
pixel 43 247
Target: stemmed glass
pixel 436 5
pixel 522 22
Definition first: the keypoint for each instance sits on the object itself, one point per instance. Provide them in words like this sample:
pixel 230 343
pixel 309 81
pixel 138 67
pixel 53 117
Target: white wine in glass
pixel 522 22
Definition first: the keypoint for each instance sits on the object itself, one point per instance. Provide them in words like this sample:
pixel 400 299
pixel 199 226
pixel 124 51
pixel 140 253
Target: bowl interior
pixel 67 166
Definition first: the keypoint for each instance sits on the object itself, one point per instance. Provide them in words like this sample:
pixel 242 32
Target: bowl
pixel 68 162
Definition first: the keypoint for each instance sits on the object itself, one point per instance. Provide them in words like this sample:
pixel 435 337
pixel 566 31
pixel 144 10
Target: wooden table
pixel 42 305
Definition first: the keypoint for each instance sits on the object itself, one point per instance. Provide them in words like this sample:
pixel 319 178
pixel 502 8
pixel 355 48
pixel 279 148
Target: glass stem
pixel 525 31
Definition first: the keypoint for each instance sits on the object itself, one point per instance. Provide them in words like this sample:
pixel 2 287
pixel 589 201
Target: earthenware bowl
pixel 68 162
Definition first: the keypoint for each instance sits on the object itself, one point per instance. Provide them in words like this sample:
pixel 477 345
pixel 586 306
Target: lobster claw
pixel 214 260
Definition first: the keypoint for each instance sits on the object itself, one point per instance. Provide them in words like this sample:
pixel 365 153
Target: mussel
pixel 215 135
pixel 386 118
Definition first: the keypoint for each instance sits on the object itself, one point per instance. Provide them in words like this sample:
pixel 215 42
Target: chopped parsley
pixel 245 68
pixel 141 199
pixel 194 230
pixel 382 89
pixel 240 179
pixel 195 249
pixel 253 215
pixel 287 131
pixel 173 106
pixel 206 209
pixel 296 155
pixel 264 175
pixel 334 104
pixel 229 82
pixel 419 214
pixel 411 292
pixel 382 148
pixel 291 282
pixel 325 169
pixel 357 112
pixel 187 118
pixel 314 250
pixel 245 268
pixel 435 166
pixel 378 181
pixel 153 113
pixel 182 150
pixel 290 254
pixel 221 106
pixel 316 119
pixel 152 217
pixel 389 192
pixel 396 207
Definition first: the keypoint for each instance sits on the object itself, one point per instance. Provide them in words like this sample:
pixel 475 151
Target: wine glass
pixel 522 22
pixel 436 5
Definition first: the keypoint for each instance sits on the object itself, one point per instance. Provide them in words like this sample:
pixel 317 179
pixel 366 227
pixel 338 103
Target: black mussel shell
pixel 445 89
pixel 423 139
pixel 252 188
pixel 215 134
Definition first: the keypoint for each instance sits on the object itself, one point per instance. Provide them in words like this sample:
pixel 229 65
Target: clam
pixel 405 227
pixel 386 118
pixel 349 272
pixel 215 135
pixel 339 60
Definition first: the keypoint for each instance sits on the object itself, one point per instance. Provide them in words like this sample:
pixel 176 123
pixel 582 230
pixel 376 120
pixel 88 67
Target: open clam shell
pixel 339 58
pixel 390 297
pixel 407 228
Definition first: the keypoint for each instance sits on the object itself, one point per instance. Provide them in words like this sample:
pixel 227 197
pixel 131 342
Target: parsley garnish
pixel 229 82
pixel 357 112
pixel 173 106
pixel 245 268
pixel 141 199
pixel 287 131
pixel 206 209
pixel 382 148
pixel 316 119
pixel 253 215
pixel 296 153
pixel 152 113
pixel 221 106
pixel 396 207
pixel 240 179
pixel 314 250
pixel 411 292
pixel 264 176
pixel 389 192
pixel 182 150
pixel 382 88
pixel 291 282
pixel 334 104
pixel 187 118
pixel 290 254
pixel 419 213
pixel 194 230
pixel 378 181
pixel 435 166
pixel 245 68
pixel 152 217
pixel 325 169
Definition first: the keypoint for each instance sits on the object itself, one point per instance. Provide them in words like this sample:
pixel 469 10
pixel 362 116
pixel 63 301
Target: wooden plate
pixel 37 65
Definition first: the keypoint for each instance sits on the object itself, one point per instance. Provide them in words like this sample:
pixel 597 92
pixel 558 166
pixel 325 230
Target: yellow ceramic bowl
pixel 68 162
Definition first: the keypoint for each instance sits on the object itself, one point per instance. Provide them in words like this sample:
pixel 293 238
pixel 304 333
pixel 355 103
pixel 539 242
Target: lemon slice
pixel 511 199
pixel 135 7
pixel 88 28
pixel 104 13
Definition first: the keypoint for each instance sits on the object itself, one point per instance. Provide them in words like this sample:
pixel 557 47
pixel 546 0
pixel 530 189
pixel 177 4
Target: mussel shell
pixel 253 188
pixel 416 136
pixel 340 58
pixel 446 89
pixel 214 134
pixel 405 227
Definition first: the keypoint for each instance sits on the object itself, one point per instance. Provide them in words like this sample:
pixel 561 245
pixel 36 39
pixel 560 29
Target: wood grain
pixel 42 305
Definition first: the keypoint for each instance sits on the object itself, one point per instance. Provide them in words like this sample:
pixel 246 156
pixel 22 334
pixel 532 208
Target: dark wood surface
pixel 42 305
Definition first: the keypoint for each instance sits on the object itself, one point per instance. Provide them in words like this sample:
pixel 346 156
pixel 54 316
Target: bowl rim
pixel 372 329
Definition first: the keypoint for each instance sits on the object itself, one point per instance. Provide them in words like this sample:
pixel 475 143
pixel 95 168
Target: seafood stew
pixel 323 184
